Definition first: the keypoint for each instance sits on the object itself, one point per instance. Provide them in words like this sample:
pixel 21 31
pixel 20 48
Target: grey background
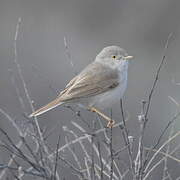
pixel 139 26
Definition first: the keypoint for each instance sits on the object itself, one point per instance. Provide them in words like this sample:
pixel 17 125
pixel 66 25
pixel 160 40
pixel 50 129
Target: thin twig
pixel 126 137
pixel 68 54
pixel 39 133
pixel 21 101
pixel 56 158
pixel 74 154
pixel 107 141
pixel 169 140
pixel 100 159
pixel 88 158
pixel 79 172
pixel 87 168
pixel 94 146
pixel 157 75
pixel 93 173
pixel 36 174
pixel 11 120
pixel 19 153
pixel 160 137
pixel 29 149
pixel 165 129
pixel 111 150
pixel 159 162
pixel 35 124
pixel 83 137
pixel 66 129
pixel 164 154
pixel 145 114
pixel 140 154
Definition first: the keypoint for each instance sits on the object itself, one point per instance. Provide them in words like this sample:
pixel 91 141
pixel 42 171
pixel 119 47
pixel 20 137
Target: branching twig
pixel 165 154
pixel 37 128
pixel 160 137
pixel 159 162
pixel 144 115
pixel 74 155
pixel 169 140
pixel 157 76
pixel 94 146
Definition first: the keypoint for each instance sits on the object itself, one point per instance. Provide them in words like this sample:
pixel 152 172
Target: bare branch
pixel 111 150
pixel 56 159
pixel 126 137
pixel 157 76
pixel 164 153
pixel 159 162
pixel 100 159
pixel 169 140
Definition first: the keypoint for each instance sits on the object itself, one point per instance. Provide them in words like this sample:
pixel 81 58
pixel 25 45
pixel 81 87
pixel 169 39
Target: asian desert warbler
pixel 101 84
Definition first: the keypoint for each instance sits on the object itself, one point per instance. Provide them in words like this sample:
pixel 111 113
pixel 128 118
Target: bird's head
pixel 114 56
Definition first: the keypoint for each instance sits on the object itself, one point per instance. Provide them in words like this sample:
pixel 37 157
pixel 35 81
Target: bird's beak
pixel 128 57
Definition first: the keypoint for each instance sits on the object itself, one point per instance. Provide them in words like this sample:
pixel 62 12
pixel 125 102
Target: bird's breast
pixel 107 99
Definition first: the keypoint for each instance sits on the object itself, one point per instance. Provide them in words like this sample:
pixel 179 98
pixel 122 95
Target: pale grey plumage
pixel 103 79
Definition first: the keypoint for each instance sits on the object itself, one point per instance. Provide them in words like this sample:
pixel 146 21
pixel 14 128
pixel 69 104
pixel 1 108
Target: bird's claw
pixel 110 123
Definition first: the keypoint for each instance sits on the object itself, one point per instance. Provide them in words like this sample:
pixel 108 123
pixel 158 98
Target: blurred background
pixel 139 26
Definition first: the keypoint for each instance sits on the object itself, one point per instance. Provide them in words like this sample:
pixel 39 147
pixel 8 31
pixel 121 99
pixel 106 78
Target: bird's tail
pixel 46 108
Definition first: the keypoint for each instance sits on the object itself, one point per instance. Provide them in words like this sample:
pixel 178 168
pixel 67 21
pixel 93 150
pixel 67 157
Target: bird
pixel 98 86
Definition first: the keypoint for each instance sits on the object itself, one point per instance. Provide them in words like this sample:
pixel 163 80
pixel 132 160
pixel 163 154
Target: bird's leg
pixel 110 123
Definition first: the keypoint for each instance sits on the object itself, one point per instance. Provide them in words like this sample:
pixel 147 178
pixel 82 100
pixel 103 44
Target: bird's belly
pixel 107 99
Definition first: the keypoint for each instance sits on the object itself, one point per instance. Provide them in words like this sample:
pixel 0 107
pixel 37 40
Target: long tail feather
pixel 46 108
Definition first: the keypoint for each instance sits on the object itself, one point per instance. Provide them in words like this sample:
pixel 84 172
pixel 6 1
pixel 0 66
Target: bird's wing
pixel 93 80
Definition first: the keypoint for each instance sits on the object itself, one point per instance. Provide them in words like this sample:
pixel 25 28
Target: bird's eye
pixel 114 57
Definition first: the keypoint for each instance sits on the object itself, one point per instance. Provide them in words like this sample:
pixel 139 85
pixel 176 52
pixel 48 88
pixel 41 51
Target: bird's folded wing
pixel 93 80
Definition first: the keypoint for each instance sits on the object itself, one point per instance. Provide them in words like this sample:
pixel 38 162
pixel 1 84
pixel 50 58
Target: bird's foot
pixel 110 123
